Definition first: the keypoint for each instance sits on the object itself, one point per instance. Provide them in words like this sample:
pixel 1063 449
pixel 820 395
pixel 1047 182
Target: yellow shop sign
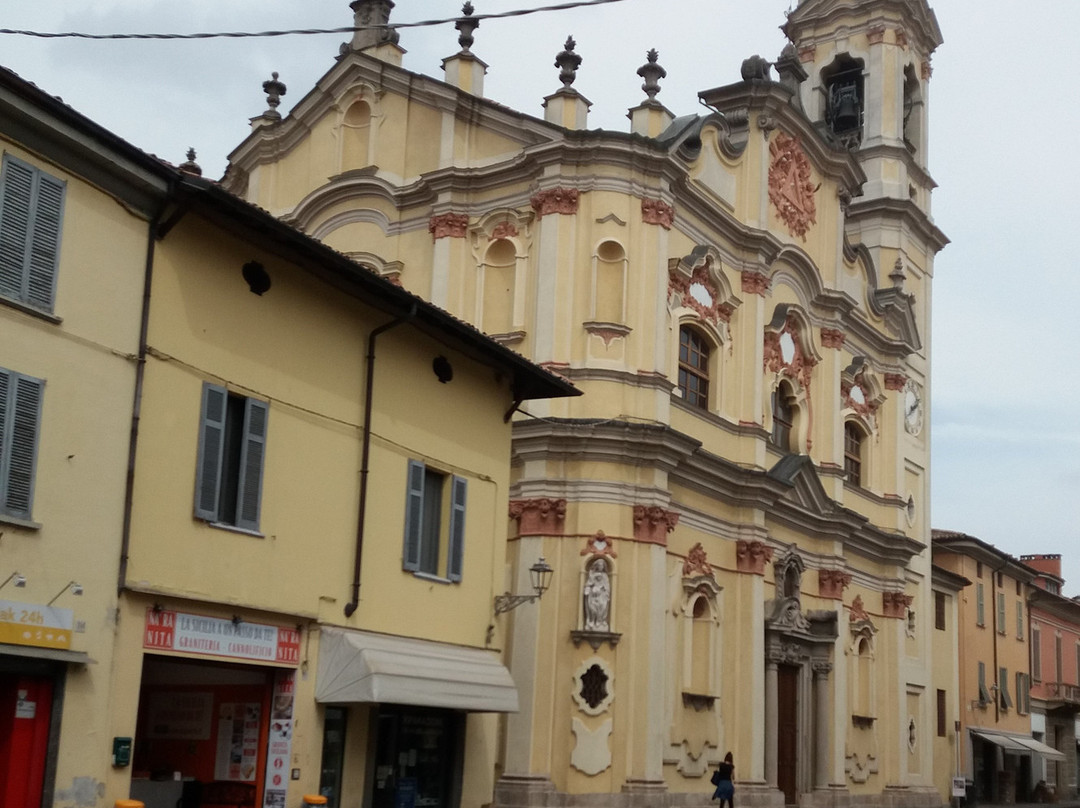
pixel 34 624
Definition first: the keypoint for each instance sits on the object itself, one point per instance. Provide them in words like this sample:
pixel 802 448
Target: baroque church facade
pixel 737 508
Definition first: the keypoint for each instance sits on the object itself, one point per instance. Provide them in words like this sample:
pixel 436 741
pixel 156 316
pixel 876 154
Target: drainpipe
pixel 136 407
pixel 350 607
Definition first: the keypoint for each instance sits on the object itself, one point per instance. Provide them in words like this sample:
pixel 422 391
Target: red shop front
pixel 214 733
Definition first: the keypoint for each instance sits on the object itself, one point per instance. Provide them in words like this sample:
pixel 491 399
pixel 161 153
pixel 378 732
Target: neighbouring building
pixel 737 510
pixel 948 588
pixel 277 481
pixel 75 205
pixel 1055 671
pixel 998 752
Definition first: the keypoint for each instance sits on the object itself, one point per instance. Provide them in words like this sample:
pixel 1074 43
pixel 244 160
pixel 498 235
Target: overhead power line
pixel 304 31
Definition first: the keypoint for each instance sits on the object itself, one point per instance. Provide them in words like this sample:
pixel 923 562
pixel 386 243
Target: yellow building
pixel 737 511
pixel 299 469
pixel 997 752
pixel 949 588
pixel 74 210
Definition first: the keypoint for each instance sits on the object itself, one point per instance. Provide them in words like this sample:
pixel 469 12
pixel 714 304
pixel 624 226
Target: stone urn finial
pixel 466 25
pixel 652 73
pixel 190 166
pixel 756 68
pixel 898 276
pixel 568 62
pixel 274 89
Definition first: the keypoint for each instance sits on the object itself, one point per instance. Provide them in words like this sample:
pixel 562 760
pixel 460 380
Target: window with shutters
pixel 1036 653
pixel 232 453
pixel 434 523
pixel 1003 692
pixel 984 694
pixel 20 423
pixel 31 209
pixel 980 606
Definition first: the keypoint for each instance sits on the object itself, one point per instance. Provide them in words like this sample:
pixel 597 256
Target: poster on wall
pixel 279 746
pixel 180 716
pixel 237 742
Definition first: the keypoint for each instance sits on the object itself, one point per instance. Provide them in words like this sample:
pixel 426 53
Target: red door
pixel 25 710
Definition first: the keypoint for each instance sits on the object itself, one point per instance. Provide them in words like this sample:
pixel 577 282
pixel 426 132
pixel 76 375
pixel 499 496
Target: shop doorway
pixel 417 758
pixel 26 709
pixel 202 734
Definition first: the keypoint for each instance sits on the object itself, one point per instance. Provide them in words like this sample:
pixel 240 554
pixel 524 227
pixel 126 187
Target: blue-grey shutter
pixel 1003 683
pixel 21 448
pixel 252 455
pixel 211 445
pixel 45 241
pixel 457 529
pixel 414 517
pixel 16 191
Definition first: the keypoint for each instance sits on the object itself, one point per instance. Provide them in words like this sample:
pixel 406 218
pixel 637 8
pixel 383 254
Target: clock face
pixel 913 407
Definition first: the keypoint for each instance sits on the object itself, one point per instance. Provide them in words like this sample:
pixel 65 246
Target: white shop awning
pixel 1020 744
pixel 359 666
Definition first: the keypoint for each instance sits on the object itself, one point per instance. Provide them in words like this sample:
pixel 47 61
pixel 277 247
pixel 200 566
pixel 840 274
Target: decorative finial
pixel 274 89
pixel 190 166
pixel 652 73
pixel 756 68
pixel 897 276
pixel 568 62
pixel 466 25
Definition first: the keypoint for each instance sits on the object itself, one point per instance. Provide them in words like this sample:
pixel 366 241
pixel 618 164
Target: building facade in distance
pixel 737 510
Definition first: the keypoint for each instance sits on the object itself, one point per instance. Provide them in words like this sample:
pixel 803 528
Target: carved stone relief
pixel 791 189
pixel 591 753
pixel 596 596
pixel 539 516
pixel 653 523
pixel 752 556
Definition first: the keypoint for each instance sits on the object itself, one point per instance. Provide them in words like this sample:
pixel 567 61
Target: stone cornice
pixel 903 210
pixel 829 15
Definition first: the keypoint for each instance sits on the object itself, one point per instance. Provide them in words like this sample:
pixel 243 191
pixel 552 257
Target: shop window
pixel 333 755
pixel 434 523
pixel 31 212
pixel 417 758
pixel 783 416
pixel 980 606
pixel 20 424
pixel 232 450
pixel 853 453
pixel 939 611
pixel 694 352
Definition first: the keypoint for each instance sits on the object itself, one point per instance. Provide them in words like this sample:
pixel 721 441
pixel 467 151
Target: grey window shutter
pixel 16 191
pixel 252 455
pixel 457 529
pixel 1003 680
pixel 414 517
pixel 211 445
pixel 984 694
pixel 21 455
pixel 45 241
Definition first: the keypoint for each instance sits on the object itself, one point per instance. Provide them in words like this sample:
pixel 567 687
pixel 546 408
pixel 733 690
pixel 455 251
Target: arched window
pixel 783 416
pixel 694 367
pixel 853 453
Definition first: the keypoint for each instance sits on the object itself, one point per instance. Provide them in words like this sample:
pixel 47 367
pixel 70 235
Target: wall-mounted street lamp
pixel 76 589
pixel 539 575
pixel 16 578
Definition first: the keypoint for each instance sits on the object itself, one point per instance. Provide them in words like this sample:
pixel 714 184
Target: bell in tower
pixel 843 85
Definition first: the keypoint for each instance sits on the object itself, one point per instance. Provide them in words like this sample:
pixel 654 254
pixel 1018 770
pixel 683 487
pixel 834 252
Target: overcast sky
pixel 1002 149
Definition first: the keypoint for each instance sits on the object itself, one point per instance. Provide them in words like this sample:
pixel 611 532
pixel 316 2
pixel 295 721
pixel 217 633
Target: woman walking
pixel 721 778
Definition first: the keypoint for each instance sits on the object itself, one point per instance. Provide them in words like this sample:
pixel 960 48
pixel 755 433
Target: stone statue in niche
pixel 596 596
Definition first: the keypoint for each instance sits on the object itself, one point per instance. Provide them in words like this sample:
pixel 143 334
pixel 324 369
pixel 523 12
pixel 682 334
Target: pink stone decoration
pixel 448 225
pixel 754 283
pixel 655 211
pixel 858 611
pixel 875 36
pixel 832 583
pixel 680 285
pixel 866 407
pixel 901 38
pixel 555 200
pixel 503 230
pixel 697 563
pixel 926 70
pixel 652 523
pixel 895 604
pixel 807 53
pixel 895 381
pixel 801 366
pixel 600 545
pixel 606 334
pixel 791 189
pixel 832 338
pixel 752 556
pixel 541 516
